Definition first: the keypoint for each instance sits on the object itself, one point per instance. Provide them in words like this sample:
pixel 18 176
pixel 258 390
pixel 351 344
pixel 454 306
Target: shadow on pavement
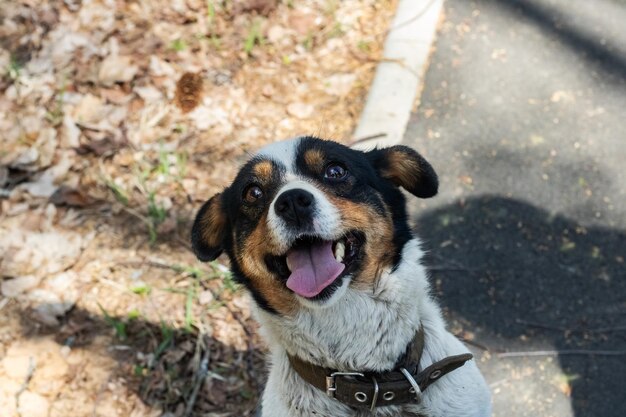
pixel 512 271
pixel 580 38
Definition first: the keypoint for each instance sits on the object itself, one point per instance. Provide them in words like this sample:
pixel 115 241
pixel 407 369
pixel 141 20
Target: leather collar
pixel 403 385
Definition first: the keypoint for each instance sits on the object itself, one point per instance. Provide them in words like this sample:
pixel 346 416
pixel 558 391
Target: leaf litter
pixel 117 119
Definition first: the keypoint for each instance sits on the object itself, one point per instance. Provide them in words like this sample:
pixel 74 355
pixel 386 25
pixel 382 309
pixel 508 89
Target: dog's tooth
pixel 340 251
pixel 288 266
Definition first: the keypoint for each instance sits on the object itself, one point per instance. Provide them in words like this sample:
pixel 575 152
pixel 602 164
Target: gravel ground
pixel 522 114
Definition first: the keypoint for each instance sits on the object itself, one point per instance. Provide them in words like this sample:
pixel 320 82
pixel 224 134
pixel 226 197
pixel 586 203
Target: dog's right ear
pixel 209 230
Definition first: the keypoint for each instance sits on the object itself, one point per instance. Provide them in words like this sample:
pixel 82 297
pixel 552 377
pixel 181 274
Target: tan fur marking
pixel 379 240
pixel 314 158
pixel 263 169
pixel 402 170
pixel 251 258
pixel 213 222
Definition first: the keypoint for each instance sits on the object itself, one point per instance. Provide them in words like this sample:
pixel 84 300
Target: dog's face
pixel 305 220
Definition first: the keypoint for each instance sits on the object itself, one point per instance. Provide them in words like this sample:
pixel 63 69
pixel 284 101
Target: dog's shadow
pixel 520 277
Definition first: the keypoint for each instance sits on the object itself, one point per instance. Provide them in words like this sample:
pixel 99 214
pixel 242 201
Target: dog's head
pixel 306 219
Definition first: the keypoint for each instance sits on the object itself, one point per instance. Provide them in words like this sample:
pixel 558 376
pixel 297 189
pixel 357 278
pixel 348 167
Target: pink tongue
pixel 313 268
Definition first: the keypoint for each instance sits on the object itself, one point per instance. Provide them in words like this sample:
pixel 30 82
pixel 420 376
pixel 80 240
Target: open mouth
pixel 314 267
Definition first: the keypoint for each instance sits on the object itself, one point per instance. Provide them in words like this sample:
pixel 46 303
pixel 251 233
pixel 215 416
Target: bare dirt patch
pixel 117 119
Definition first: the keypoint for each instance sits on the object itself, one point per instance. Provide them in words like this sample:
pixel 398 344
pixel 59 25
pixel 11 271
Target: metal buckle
pixel 330 381
pixel 331 387
pixel 416 388
pixel 375 396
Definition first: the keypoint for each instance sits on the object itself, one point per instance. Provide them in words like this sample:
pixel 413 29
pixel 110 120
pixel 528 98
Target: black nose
pixel 296 206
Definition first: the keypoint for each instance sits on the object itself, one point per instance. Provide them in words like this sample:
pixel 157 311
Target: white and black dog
pixel 318 234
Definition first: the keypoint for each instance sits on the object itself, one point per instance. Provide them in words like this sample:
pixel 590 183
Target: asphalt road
pixel 523 115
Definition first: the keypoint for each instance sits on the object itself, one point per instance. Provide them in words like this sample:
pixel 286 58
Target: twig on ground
pixel 119 348
pixel 199 376
pixel 413 18
pixel 136 214
pixel 29 374
pixel 250 348
pixel 154 264
pixel 606 329
pixel 92 127
pixel 572 352
pixel 498 382
pixel 447 265
pixel 366 138
pixel 540 325
pixel 471 342
pixel 103 385
pixel 571 330
pixel 184 243
pixel 443 267
pixel 113 284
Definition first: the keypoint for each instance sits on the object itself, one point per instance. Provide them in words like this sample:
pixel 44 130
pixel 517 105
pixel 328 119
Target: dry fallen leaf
pixel 262 7
pixel 466 179
pixel 115 69
pixel 300 110
pixel 303 22
pixel 36 253
pixel 19 285
pixel 43 186
pixel 339 84
pixel 104 147
pixel 4 175
pixel 68 196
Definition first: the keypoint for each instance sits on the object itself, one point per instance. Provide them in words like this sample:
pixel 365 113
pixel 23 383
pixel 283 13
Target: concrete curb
pixel 399 75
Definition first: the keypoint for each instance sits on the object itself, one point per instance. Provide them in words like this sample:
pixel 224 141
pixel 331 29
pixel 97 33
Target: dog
pixel 318 234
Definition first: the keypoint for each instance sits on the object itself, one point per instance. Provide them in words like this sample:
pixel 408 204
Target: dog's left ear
pixel 405 168
pixel 209 230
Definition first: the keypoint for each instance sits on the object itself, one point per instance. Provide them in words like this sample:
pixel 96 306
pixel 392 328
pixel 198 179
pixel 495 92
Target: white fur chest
pixel 369 332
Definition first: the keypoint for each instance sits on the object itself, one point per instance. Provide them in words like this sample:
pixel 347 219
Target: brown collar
pixel 402 385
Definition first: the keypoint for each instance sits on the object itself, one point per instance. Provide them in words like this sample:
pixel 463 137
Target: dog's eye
pixel 252 193
pixel 335 171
